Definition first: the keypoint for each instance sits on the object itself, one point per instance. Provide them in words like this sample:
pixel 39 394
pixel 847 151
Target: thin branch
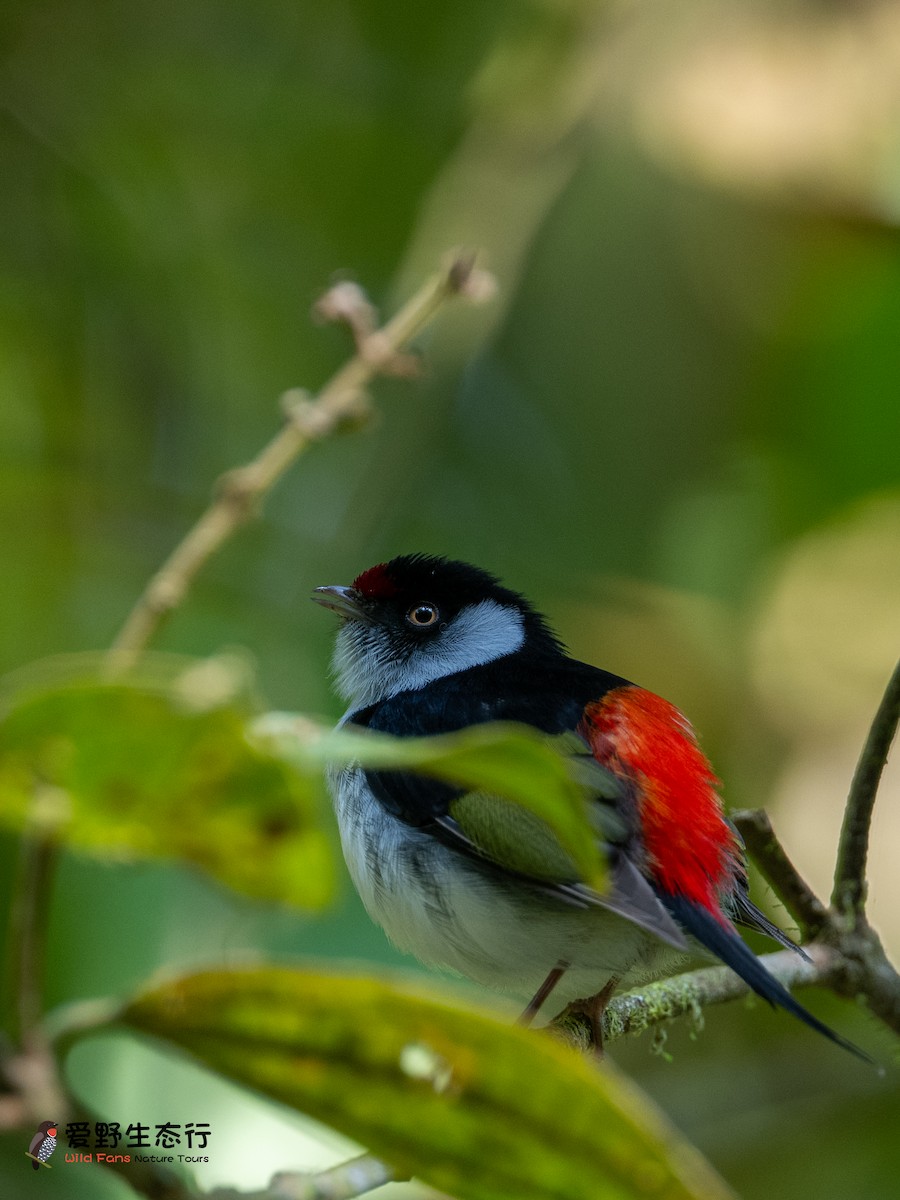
pixel 780 873
pixel 39 851
pixel 340 402
pixel 343 1182
pixel 29 915
pixel 849 894
pixel 689 994
pixel 347 1180
pixel 28 1065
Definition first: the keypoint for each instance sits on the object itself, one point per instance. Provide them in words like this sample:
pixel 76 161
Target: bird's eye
pixel 423 615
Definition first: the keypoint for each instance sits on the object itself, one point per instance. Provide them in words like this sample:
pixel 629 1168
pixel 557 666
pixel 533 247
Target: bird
pixel 43 1144
pixel 428 645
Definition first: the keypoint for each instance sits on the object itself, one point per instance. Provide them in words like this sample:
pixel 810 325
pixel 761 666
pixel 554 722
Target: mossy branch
pixel 689 994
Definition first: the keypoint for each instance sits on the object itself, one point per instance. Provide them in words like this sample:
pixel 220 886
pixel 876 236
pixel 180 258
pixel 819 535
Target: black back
pixel 547 691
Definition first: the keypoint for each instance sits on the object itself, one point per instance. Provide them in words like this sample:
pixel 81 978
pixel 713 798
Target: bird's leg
pixel 593 1007
pixel 543 992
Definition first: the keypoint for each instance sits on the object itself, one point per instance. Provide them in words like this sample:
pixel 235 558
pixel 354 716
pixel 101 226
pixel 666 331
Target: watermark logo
pixel 108 1142
pixel 42 1145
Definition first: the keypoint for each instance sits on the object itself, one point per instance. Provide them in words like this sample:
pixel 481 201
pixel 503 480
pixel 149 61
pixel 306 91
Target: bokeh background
pixel 677 427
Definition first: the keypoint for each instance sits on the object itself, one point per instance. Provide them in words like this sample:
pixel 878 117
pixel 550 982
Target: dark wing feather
pixel 744 912
pixel 726 944
pixel 552 700
pixel 630 895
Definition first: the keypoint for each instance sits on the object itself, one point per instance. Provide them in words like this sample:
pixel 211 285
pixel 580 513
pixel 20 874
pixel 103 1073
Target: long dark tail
pixel 727 945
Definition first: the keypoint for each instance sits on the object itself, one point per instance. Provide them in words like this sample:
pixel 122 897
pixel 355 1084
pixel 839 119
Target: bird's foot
pixel 593 1008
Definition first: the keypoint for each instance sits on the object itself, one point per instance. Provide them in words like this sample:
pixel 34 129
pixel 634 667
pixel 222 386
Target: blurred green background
pixel 677 427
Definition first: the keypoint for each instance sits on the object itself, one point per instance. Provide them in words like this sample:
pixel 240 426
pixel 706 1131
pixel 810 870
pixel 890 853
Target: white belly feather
pixel 432 902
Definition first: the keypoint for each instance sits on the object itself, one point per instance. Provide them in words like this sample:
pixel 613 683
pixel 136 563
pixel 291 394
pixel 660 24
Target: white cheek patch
pixel 368 670
pixel 478 634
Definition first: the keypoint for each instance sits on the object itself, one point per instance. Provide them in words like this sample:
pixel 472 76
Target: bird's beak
pixel 345 601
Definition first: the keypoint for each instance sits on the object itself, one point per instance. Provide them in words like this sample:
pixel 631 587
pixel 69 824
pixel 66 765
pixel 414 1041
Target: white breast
pixel 439 906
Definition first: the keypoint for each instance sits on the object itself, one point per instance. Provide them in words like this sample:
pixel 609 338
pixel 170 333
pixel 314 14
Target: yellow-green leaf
pixel 516 763
pixel 162 766
pixel 481 1109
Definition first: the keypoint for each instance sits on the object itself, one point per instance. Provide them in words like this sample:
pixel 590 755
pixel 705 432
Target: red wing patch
pixel 690 846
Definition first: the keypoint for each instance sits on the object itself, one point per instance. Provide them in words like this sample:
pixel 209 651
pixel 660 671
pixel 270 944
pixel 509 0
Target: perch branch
pixel 780 873
pixel 689 994
pixel 341 402
pixel 849 894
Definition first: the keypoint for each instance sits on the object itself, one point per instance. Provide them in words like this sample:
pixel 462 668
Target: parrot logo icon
pixel 43 1144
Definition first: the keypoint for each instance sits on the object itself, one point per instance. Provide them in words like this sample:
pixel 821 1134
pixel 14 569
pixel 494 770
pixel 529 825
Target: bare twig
pixel 780 873
pixel 849 893
pixel 342 400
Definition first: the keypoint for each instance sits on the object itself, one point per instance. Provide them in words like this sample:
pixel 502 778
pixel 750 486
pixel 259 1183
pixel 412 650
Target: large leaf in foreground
pixel 176 763
pixel 504 766
pixel 471 1105
pixel 162 766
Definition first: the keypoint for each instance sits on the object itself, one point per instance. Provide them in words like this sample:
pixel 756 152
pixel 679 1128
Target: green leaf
pixel 532 795
pixel 163 767
pixel 475 1107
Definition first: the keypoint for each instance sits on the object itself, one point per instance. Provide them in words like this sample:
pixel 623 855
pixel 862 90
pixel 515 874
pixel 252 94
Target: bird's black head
pixel 418 618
